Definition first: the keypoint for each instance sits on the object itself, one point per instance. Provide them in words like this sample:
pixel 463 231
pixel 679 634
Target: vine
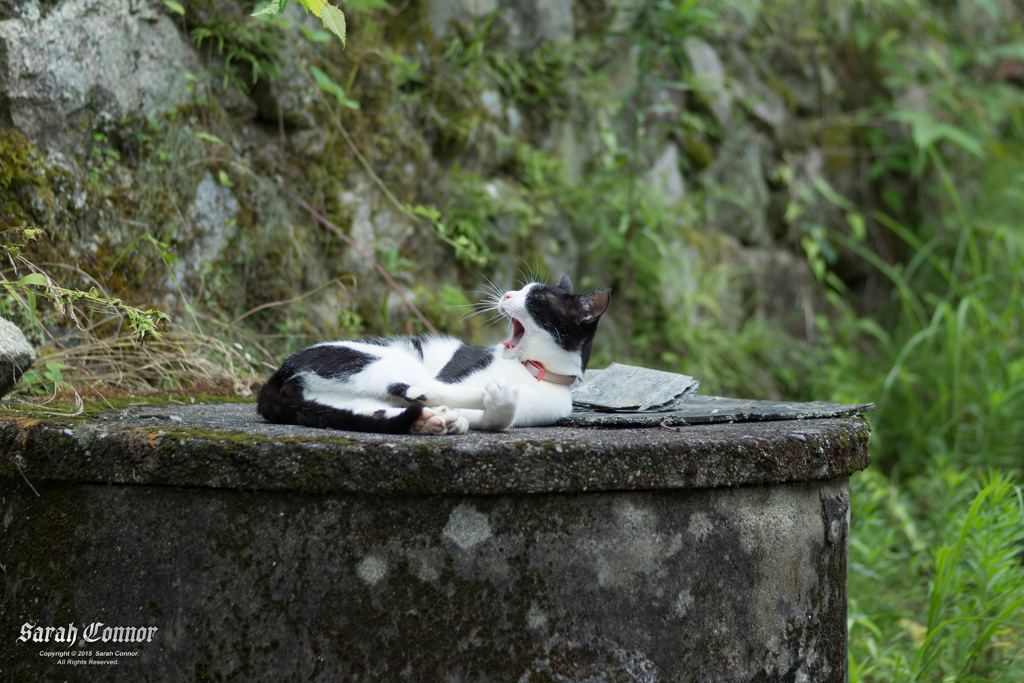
pixel 144 323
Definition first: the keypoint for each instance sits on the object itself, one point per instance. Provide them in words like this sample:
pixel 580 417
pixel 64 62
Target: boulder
pixel 443 12
pixel 89 64
pixel 16 355
pixel 665 177
pixel 709 78
pixel 738 196
pixel 210 227
pixel 529 23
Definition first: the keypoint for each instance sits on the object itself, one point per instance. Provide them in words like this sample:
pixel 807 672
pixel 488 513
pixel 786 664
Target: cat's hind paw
pixel 437 420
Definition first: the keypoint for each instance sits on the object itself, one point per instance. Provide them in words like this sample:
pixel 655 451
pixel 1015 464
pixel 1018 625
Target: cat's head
pixel 552 326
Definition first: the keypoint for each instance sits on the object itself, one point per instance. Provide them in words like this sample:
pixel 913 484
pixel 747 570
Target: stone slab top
pixel 227 446
pixel 716 409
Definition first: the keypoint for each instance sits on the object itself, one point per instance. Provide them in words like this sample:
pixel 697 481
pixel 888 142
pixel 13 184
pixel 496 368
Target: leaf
pixel 274 8
pixel 334 21
pixel 316 36
pixel 314 6
pixel 175 7
pixel 857 224
pixel 833 197
pixel 33 279
pixel 1010 51
pixel 324 82
pixel 961 138
pixel 926 130
pixel 429 212
pixel 31 296
pixel 210 138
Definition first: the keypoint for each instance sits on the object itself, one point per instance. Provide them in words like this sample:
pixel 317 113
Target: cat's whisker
pixel 488 302
pixel 489 312
pixel 525 276
pixel 530 274
pixel 481 307
pixel 492 294
pixel 486 308
pixel 494 319
pixel 489 285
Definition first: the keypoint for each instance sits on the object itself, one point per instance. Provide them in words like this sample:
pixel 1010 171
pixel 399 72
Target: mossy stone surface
pixel 227 445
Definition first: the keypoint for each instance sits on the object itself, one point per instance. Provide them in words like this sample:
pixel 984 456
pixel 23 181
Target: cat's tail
pixel 281 401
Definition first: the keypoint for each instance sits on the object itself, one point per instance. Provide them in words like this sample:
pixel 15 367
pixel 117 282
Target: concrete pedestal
pixel 260 552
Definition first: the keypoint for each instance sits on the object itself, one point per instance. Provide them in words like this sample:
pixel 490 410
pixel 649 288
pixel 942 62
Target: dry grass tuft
pixel 97 365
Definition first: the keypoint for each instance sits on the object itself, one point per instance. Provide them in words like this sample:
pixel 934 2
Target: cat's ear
pixel 565 283
pixel 593 305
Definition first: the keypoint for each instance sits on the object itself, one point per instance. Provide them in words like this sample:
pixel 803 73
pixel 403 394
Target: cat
pixel 438 385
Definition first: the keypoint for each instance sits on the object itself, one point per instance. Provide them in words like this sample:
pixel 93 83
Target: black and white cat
pixel 438 385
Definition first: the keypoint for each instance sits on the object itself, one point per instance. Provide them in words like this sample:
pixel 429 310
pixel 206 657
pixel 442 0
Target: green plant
pixel 328 86
pixel 143 323
pixel 48 379
pixel 333 18
pixel 948 372
pixel 249 50
pixel 102 160
pixel 936 589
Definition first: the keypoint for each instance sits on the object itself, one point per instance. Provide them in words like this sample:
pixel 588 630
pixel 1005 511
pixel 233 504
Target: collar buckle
pixel 537 370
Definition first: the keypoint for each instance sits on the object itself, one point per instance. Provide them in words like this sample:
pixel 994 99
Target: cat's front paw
pixel 414 394
pixel 500 402
pixel 437 420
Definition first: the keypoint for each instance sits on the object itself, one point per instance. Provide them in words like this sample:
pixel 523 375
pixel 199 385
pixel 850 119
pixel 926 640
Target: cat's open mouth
pixel 517 334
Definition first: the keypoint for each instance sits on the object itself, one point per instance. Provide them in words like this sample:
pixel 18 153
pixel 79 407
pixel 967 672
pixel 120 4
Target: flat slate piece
pixel 630 388
pixel 713 410
pixel 227 446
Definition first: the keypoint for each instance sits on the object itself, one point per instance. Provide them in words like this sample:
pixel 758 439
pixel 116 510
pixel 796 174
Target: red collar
pixel 538 371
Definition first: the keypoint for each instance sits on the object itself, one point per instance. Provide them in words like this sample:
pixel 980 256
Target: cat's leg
pixel 489 408
pixel 432 393
pixel 361 415
pixel 371 415
pixel 499 410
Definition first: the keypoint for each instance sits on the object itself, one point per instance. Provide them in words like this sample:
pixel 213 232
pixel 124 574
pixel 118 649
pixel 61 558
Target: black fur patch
pixel 551 308
pixel 570 320
pixel 278 399
pixel 282 403
pixel 417 344
pixel 464 362
pixel 398 389
pixel 312 414
pixel 332 362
